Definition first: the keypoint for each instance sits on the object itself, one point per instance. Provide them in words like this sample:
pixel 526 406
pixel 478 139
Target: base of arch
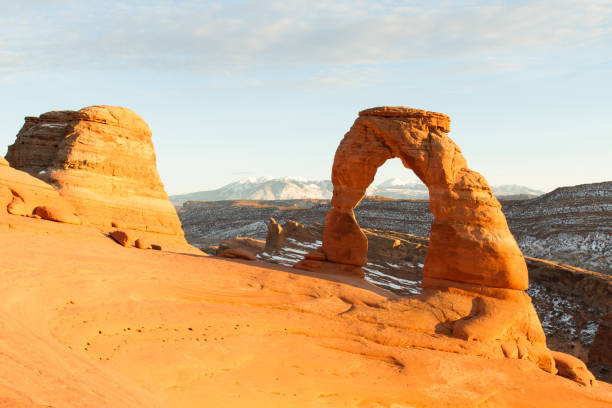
pixel 331 268
pixel 473 289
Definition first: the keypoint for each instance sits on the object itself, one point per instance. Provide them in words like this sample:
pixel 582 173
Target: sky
pixel 234 89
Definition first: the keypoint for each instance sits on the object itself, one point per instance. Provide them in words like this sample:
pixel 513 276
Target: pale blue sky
pixel 235 88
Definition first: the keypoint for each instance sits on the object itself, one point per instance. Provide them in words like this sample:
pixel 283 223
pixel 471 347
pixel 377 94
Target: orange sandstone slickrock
pixel 102 160
pixel 88 323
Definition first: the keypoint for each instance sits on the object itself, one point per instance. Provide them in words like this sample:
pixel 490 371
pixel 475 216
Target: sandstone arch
pixel 474 273
pixel 470 241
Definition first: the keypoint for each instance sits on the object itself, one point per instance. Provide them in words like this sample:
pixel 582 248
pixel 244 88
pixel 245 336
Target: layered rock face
pixel 101 158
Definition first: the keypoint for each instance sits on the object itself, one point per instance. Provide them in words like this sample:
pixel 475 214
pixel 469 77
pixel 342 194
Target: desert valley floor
pixel 89 323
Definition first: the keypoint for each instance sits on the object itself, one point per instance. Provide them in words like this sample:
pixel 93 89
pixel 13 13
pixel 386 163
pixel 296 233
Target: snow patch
pixel 53 125
pixel 297 251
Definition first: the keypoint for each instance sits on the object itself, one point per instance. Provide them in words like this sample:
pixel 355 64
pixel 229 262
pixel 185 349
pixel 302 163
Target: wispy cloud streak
pixel 235 35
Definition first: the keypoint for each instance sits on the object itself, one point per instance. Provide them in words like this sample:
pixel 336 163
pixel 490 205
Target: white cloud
pixel 221 36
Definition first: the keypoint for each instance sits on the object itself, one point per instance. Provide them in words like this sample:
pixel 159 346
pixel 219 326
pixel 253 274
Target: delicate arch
pixel 470 241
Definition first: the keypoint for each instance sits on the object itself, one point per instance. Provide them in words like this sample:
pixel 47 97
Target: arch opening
pixel 396 220
pixel 393 181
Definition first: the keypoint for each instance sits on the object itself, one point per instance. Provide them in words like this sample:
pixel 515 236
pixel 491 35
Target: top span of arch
pixel 434 120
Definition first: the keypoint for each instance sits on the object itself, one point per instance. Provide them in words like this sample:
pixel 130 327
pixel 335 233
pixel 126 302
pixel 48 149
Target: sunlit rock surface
pixel 102 160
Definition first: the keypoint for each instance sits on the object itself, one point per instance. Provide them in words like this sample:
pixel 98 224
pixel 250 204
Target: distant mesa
pixel 101 159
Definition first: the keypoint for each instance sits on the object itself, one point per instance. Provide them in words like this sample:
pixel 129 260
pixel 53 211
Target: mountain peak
pixel 396 182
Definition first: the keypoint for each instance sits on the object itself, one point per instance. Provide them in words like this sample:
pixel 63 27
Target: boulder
pixel 57 214
pixel 250 245
pixel 121 237
pixel 573 368
pixel 142 243
pixel 238 253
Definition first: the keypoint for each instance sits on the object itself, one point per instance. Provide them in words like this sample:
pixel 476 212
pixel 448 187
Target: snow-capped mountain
pixel 401 189
pixel 263 188
pixel 292 188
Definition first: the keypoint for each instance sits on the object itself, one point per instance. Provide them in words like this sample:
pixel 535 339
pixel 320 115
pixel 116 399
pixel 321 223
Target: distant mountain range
pixel 292 188
pixel 262 188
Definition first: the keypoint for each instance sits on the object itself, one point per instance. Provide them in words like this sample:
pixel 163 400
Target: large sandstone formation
pixel 100 158
pixel 474 272
pixel 470 240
